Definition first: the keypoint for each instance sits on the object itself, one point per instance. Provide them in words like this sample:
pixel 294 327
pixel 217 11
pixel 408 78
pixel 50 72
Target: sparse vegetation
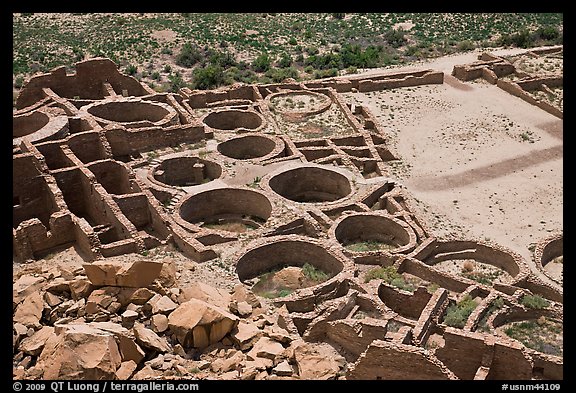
pixel 543 335
pixel 369 245
pixel 495 305
pixel 534 301
pixel 389 275
pixel 328 43
pixel 314 273
pixel 457 314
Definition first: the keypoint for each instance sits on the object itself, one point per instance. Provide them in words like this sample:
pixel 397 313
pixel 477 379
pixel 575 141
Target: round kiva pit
pixel 234 120
pixel 551 256
pixel 311 185
pixel 281 267
pixel 371 232
pixel 186 171
pixel 477 261
pixel 38 127
pixel 538 329
pixel 133 113
pixel 298 104
pixel 248 147
pixel 226 209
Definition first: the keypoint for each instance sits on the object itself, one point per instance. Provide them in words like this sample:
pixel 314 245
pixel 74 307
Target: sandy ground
pixel 479 162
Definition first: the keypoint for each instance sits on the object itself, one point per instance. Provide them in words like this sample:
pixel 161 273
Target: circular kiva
pixel 549 254
pixel 279 252
pixel 133 113
pixel 249 147
pixel 236 120
pixel 223 207
pixel 369 232
pixel 543 328
pixel 310 184
pixel 38 127
pixel 459 252
pixel 296 104
pixel 185 171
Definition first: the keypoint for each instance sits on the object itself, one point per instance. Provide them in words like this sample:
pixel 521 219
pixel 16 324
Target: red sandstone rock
pixel 164 305
pixel 265 348
pixel 244 334
pixel 80 352
pixel 25 286
pixel 148 339
pixel 199 324
pixel 34 344
pixel 126 370
pixel 317 361
pixel 123 274
pixel 199 290
pixel 29 311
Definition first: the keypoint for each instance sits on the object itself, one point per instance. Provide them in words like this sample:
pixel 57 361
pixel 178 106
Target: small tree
pixel 262 63
pixel 188 56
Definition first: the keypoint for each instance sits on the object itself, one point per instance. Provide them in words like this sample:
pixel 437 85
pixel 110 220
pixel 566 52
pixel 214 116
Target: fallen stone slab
pixel 29 312
pixel 200 291
pixel 25 286
pixel 265 348
pixel 164 305
pixel 126 370
pixel 317 361
pixel 199 324
pixel 122 274
pixel 148 339
pixel 245 334
pixel 283 369
pixel 34 344
pixel 81 352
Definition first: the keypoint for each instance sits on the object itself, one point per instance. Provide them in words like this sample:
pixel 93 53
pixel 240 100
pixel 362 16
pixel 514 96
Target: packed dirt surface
pixel 479 162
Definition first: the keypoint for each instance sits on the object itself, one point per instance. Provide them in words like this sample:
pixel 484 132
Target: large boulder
pixel 81 352
pixel 148 339
pixel 29 312
pixel 318 361
pixel 200 291
pixel 118 273
pixel 34 344
pixel 25 286
pixel 199 324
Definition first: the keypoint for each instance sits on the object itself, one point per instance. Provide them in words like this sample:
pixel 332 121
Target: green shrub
pixel 19 81
pixel 188 56
pixel 285 60
pixel 313 273
pixel 395 38
pixel 457 314
pixel 262 63
pixel 131 69
pixel 534 301
pixel 207 77
pixel 176 83
pixel 386 273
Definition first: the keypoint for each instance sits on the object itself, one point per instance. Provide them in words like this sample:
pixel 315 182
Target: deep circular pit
pixel 370 232
pixel 129 111
pixel 297 263
pixel 311 185
pixel 186 171
pixel 228 209
pixel 247 147
pixel 28 124
pixel 229 120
